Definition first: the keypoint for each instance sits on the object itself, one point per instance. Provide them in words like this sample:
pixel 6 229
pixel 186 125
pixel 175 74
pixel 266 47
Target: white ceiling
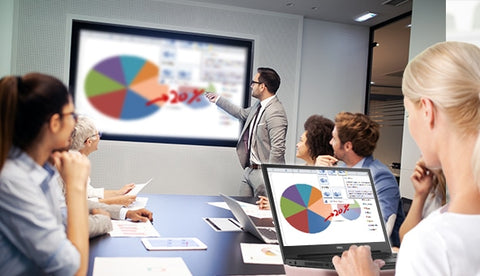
pixel 389 58
pixel 341 11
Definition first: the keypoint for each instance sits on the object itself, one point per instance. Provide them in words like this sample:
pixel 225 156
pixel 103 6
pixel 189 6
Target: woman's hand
pixel 125 189
pixel 74 168
pixel 263 203
pixel 326 161
pixel 357 260
pixel 422 179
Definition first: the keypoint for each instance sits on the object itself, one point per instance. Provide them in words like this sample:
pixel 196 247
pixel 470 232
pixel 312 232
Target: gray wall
pixel 428 28
pixel 6 32
pixel 322 64
pixel 333 70
pixel 300 50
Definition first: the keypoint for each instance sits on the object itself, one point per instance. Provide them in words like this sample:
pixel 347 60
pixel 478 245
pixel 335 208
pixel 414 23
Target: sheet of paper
pixel 261 253
pixel 145 266
pixel 124 228
pixel 138 187
pixel 223 224
pixel 250 209
pixel 139 203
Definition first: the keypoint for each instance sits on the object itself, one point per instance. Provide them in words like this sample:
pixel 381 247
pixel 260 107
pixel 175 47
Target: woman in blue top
pixel 37 117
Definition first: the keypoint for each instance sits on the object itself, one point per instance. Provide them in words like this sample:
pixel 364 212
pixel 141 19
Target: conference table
pixel 182 216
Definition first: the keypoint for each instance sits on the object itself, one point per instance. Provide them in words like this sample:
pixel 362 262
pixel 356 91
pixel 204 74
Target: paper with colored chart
pixel 261 253
pixel 125 228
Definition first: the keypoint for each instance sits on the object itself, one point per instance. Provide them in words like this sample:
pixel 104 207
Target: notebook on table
pixel 319 212
pixel 263 229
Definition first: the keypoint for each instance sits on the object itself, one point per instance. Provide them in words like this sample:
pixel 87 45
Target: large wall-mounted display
pixel 145 84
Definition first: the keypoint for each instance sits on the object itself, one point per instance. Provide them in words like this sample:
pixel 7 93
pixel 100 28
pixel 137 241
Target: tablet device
pixel 173 244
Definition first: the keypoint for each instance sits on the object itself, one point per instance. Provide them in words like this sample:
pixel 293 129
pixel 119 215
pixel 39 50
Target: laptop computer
pixel 261 228
pixel 319 212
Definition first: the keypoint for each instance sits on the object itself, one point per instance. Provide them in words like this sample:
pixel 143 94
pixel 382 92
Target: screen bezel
pixel 79 25
pixel 293 252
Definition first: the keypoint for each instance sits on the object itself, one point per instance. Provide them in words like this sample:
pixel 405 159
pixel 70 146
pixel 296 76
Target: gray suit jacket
pixel 100 224
pixel 268 141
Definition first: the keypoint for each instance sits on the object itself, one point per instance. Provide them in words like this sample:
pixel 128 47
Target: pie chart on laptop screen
pixel 303 207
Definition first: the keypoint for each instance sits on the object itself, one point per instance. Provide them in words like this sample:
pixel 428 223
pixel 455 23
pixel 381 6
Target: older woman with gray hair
pixel 85 139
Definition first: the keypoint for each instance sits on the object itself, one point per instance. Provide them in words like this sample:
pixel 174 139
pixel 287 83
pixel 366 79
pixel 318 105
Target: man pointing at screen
pixel 262 139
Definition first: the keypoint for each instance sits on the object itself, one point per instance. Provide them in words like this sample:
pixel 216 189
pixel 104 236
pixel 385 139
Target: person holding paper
pixel 110 202
pixel 99 220
pixel 85 139
pixel 101 214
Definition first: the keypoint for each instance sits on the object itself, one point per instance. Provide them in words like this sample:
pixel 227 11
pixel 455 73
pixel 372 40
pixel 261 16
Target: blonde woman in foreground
pixel 442 99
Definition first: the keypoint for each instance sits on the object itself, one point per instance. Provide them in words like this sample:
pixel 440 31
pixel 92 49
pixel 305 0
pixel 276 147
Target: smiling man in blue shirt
pixel 354 138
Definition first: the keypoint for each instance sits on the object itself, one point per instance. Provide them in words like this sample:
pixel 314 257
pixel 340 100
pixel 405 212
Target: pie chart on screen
pixel 353 212
pixel 303 207
pixel 121 87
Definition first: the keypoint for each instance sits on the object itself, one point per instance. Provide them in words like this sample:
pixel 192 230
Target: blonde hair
pixel 448 74
pixel 439 185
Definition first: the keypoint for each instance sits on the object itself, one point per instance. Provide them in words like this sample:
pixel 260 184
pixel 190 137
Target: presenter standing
pixel 262 139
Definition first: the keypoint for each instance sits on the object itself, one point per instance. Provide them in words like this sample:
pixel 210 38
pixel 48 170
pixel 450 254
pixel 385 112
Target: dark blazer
pixel 268 141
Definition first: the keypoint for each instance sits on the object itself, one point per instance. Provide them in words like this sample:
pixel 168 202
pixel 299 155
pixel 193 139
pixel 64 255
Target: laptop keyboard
pixel 268 232
pixel 325 260
pixel 390 259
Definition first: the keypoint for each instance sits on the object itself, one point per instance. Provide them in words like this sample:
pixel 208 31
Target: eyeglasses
pixel 74 115
pixel 255 82
pixel 94 135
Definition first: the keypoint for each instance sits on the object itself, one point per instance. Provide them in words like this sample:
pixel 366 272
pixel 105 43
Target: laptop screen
pixel 324 205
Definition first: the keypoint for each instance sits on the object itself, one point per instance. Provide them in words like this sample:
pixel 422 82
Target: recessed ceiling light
pixel 365 16
pixel 314 8
pixel 290 4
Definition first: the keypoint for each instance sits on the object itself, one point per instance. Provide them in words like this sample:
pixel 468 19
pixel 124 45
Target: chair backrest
pixel 406 202
pixel 390 224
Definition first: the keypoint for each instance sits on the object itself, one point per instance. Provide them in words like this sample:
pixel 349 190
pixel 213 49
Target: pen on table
pixel 236 224
pixel 213 224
